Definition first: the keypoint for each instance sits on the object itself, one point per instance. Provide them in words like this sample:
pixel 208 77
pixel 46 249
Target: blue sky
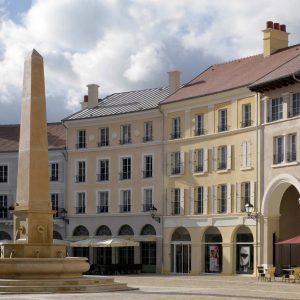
pixel 125 45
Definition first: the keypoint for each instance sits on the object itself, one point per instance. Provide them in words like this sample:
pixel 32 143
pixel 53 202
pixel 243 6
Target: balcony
pixel 291 156
pixel 175 208
pixel 102 177
pixel 198 169
pixel 222 165
pixel 125 141
pixel 278 158
pixel 104 143
pixel 148 138
pixel 147 174
pixel 81 145
pixel 125 208
pixel 80 210
pixel 246 123
pixel 199 131
pixel 222 127
pixel 102 209
pixel 80 178
pixel 175 135
pixel 125 176
pixel 147 207
pixel 176 170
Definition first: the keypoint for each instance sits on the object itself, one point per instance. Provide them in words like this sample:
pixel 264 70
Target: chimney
pixel 92 95
pixel 84 104
pixel 275 38
pixel 174 81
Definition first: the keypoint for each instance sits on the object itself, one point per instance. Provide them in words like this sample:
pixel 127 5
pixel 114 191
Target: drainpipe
pixel 294 77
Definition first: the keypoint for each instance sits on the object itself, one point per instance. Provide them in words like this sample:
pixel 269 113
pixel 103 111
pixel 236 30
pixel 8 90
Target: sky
pixel 124 45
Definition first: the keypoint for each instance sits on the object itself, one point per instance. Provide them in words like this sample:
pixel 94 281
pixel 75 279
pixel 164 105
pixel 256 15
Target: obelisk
pixel 33 215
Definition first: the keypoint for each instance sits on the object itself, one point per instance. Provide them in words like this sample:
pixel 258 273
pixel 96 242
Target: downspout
pixel 294 77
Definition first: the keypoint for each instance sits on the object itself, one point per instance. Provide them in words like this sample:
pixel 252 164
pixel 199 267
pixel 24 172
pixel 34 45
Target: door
pixel 181 257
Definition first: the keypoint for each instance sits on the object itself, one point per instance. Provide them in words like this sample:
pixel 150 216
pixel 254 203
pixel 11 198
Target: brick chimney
pixel 92 95
pixel 275 38
pixel 84 104
pixel 174 81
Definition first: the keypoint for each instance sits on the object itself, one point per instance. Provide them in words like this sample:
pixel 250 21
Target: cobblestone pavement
pixel 185 287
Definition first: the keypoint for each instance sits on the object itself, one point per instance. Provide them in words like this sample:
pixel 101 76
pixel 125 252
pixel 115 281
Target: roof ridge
pixel 18 124
pixel 237 59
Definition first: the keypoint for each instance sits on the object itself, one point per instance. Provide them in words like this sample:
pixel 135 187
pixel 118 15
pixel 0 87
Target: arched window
pixel 4 236
pixel 103 231
pixel 181 234
pixel 57 235
pixel 148 230
pixel 126 230
pixel 80 231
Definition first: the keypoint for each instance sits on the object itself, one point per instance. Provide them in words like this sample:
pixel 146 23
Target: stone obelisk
pixel 33 215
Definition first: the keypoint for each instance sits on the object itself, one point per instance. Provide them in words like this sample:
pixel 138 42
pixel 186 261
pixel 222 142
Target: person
pixel 214 259
pixel 244 259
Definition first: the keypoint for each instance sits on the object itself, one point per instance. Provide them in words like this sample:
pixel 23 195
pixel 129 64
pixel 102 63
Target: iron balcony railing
pixel 198 169
pixel 125 175
pixel 80 178
pixel 147 174
pixel 103 177
pixel 199 131
pixel 175 135
pixel 80 210
pixel 147 207
pixel 103 143
pixel 125 208
pixel 275 117
pixel 147 138
pixel 294 112
pixel 291 156
pixel 102 209
pixel 125 141
pixel 176 170
pixel 81 145
pixel 222 127
pixel 246 123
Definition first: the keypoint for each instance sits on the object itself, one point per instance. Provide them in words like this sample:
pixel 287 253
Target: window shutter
pixel 215 158
pixel 228 157
pixel 248 154
pixel 215 199
pixel 228 198
pixel 181 202
pixel 182 153
pixel 168 164
pixel 205 200
pixel 192 200
pixel 205 160
pixel 238 197
pixel 168 202
pixel 244 154
pixel 252 193
pixel 192 161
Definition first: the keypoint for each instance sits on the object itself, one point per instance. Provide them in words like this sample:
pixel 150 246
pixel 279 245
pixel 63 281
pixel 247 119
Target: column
pixel 211 119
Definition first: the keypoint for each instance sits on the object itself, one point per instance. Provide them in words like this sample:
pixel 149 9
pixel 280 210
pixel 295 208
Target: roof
pixel 125 102
pixel 9 137
pixel 234 74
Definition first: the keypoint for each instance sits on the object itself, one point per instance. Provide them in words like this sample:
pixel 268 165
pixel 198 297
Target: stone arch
pixel 57 235
pixel 212 230
pixel 274 192
pixel 4 235
pixel 148 230
pixel 241 229
pixel 103 230
pixel 81 231
pixel 181 234
pixel 126 230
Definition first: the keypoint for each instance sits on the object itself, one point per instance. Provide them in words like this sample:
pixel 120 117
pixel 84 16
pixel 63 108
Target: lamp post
pixel 153 211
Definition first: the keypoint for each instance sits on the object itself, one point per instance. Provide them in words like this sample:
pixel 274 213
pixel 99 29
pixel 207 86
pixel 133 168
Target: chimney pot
pixel 270 24
pixel 283 27
pixel 85 98
pixel 276 26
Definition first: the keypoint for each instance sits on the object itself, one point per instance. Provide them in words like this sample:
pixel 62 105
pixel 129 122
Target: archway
pixel 181 251
pixel 4 236
pixel 81 231
pixel 126 254
pixel 57 235
pixel 103 256
pixel 148 249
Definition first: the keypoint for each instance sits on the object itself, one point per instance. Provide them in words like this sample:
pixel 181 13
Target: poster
pixel 214 258
pixel 244 259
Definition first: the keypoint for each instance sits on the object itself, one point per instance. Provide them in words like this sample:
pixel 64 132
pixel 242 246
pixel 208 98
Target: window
pixel 102 206
pixel 3 207
pixel 246 122
pixel 222 158
pixel 292 147
pixel 223 198
pixel 245 193
pixel 55 205
pixel 104 137
pixel 278 150
pixel 103 170
pixel 125 205
pixel 175 128
pixel 54 172
pixel 80 203
pixel 147 172
pixel 147 199
pixel 222 120
pixel 276 109
pixel 147 132
pixel 246 155
pixel 148 253
pixel 199 161
pixel 3 173
pixel 81 139
pixel 199 128
pixel 125 135
pixel 176 202
pixel 176 163
pixel 295 105
pixel 125 168
pixel 199 203
pixel 80 177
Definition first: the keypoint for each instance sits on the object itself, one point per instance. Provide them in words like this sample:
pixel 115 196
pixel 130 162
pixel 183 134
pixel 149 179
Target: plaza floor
pixel 185 287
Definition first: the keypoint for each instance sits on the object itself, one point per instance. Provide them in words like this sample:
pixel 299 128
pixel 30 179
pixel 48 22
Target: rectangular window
pixel 80 203
pixel 245 194
pixel 222 120
pixel 175 128
pixel 148 250
pixel 125 205
pixel 199 200
pixel 292 147
pixel 103 137
pixel 80 177
pixel 176 202
pixel 176 163
pixel 125 134
pixel 3 173
pixel 81 139
pixel 102 206
pixel 199 128
pixel 103 170
pixel 295 105
pixel 246 155
pixel 54 172
pixel 147 173
pixel 199 161
pixel 223 198
pixel 222 158
pixel 3 207
pixel 276 109
pixel 55 204
pixel 148 137
pixel 125 168
pixel 278 149
pixel 246 122
pixel 147 201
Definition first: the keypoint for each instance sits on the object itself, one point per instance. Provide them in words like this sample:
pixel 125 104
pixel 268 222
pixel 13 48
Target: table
pixel 290 271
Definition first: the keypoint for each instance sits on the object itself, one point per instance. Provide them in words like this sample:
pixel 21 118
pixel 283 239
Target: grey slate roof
pixel 125 102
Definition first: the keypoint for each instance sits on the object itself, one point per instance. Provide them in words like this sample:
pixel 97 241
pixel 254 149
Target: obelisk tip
pixel 34 53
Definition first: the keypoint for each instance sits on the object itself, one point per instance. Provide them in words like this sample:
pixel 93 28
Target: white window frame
pixel 7 165
pixel 98 191
pixel 143 194
pixel 144 155
pixel 79 138
pixel 121 200
pixel 126 137
pixel 121 166
pixel 77 170
pixel 58 170
pixel 106 140
pixel 98 169
pixel 76 193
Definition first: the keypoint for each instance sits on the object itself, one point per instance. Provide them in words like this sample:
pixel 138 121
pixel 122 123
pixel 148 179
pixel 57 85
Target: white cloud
pixel 128 44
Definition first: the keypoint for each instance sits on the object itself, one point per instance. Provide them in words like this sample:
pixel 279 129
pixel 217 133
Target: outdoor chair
pixel 270 273
pixel 260 273
pixel 296 275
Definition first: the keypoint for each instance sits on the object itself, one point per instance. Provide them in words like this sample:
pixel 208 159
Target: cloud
pixel 127 44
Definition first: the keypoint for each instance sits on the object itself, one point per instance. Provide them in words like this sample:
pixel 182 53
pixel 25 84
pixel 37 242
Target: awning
pixel 293 241
pixel 115 242
pixel 85 243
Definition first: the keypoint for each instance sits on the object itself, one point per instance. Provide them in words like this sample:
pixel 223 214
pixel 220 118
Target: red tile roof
pixel 9 137
pixel 233 74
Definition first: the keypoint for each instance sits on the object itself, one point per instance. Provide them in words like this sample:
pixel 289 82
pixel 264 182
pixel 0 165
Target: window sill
pixel 175 175
pixel 199 173
pixel 285 164
pixel 246 168
pixel 223 171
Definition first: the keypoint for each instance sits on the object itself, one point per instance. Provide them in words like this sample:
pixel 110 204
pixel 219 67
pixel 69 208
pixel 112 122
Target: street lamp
pixel 153 211
pixel 64 215
pixel 251 214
